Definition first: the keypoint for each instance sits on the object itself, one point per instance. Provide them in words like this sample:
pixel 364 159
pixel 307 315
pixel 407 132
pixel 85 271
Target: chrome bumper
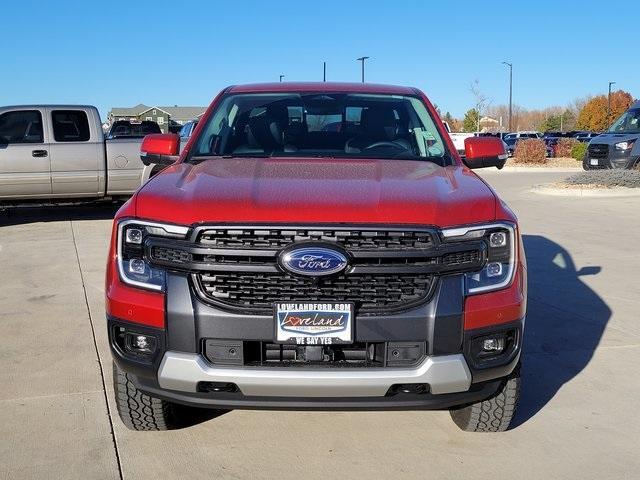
pixel 444 374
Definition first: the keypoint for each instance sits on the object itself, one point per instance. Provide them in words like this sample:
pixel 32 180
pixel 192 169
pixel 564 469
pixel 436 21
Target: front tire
pixel 493 414
pixel 138 410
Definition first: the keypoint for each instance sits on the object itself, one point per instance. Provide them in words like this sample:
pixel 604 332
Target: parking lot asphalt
pixel 578 417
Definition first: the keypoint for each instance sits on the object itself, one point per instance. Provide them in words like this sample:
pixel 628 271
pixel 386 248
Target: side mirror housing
pixel 160 149
pixel 481 152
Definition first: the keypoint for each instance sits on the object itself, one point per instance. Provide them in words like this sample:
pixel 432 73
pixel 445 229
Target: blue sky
pixel 120 53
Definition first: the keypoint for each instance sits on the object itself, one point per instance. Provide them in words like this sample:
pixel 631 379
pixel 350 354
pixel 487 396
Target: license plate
pixel 593 161
pixel 314 323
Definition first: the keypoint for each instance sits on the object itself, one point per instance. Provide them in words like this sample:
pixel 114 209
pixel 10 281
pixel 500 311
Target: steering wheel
pixel 385 144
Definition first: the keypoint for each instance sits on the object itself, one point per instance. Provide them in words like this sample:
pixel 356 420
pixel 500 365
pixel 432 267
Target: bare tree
pixel 480 99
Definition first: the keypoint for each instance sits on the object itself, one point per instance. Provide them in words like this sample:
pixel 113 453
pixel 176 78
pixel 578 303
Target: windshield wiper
pixel 246 155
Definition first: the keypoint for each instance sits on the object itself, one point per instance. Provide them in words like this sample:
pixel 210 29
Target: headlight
pixel 501 243
pixel 624 146
pixel 132 265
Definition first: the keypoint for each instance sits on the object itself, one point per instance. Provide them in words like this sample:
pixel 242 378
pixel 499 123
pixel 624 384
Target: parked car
pixel 56 152
pixel 510 142
pixel 132 129
pixel 512 139
pixel 521 135
pixel 551 141
pixel 458 139
pixel 278 265
pixel 186 131
pixel 618 147
pixel 585 137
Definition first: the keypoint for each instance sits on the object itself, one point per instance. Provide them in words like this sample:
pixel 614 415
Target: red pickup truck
pixel 317 246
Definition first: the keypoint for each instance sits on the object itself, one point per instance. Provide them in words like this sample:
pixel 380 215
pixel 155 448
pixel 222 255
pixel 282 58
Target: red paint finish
pixel 306 191
pixel 161 144
pixel 476 148
pixel 122 301
pixel 303 190
pixel 336 87
pixel 502 306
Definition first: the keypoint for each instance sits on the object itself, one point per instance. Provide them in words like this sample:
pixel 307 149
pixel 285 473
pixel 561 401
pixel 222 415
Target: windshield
pixel 629 122
pixel 321 125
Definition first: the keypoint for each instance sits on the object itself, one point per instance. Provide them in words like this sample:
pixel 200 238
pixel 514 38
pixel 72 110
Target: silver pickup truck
pixel 54 152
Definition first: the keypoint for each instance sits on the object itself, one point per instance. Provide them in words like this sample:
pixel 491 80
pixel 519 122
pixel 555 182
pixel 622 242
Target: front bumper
pixel 612 161
pixel 447 375
pixel 444 374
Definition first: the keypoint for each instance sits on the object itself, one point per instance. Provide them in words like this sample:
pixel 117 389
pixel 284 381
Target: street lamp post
pixel 281 77
pixel 362 59
pixel 324 71
pixel 609 104
pixel 510 65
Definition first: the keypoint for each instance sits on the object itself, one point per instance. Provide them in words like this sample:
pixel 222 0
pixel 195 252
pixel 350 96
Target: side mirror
pixel 483 152
pixel 588 271
pixel 160 149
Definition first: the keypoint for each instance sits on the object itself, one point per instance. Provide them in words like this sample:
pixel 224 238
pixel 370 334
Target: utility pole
pixel 281 77
pixel 324 71
pixel 510 65
pixel 609 104
pixel 362 59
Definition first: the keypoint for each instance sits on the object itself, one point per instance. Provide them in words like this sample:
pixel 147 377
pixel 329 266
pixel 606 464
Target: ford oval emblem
pixel 313 261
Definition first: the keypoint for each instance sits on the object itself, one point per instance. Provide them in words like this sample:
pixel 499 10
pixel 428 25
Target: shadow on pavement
pixel 57 213
pixel 565 322
pixel 185 416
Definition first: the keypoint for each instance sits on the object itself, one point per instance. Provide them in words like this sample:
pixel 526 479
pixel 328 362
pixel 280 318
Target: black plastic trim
pixel 448 325
pixel 131 363
pixel 502 365
pixel 435 253
pixel 400 401
pixel 378 311
pixel 181 327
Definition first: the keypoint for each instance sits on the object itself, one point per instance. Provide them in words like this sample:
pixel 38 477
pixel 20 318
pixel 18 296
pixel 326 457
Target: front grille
pixel 370 293
pixel 170 255
pixel 389 270
pixel 461 258
pixel 598 150
pixel 248 238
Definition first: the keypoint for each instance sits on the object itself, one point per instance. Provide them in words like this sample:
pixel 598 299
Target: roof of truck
pixel 48 105
pixel 322 87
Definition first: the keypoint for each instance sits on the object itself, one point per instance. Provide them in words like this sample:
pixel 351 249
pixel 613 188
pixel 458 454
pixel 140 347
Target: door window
pixel 22 126
pixel 70 126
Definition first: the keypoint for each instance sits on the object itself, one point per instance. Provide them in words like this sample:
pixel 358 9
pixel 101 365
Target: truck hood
pixel 613 138
pixel 303 190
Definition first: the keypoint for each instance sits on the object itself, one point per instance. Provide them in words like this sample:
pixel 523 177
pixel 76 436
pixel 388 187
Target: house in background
pixel 167 118
pixel 488 124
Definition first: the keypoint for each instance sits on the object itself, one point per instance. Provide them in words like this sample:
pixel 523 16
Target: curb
pixel 587 192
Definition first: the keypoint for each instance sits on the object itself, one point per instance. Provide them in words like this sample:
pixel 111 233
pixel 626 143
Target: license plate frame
pixel 314 323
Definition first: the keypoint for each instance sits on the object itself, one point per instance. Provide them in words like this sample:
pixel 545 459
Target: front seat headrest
pixel 266 130
pixel 379 122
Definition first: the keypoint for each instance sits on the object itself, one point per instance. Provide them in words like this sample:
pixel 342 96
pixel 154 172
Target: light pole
pixel 362 59
pixel 281 77
pixel 324 71
pixel 609 104
pixel 510 65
